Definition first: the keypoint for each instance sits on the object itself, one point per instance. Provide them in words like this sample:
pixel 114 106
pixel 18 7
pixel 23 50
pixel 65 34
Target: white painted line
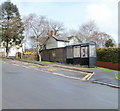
pixel 90 76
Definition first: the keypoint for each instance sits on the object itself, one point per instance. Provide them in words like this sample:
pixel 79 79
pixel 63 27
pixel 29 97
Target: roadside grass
pixel 117 75
pixel 52 62
pixel 105 69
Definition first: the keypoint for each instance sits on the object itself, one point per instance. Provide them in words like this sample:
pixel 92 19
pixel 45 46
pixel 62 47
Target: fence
pixel 54 55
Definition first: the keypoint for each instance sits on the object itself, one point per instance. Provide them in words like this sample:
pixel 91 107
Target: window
pixel 84 52
pixel 92 50
pixel 76 51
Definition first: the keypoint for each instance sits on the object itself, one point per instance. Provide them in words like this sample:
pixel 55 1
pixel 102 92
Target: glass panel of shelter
pixel 84 51
pixel 76 51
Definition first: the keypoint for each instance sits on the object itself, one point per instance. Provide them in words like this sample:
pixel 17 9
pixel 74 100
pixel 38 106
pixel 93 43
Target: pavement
pixel 100 76
pixel 93 75
pixel 32 86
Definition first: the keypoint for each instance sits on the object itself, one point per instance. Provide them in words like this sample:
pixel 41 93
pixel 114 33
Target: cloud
pixel 105 16
pixel 98 12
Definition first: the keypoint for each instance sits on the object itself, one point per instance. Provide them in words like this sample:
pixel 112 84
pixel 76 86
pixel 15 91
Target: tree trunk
pixel 22 50
pixel 39 56
pixel 6 52
pixel 7 49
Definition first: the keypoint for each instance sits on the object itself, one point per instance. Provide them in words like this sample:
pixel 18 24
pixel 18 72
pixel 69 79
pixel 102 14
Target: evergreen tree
pixel 11 24
pixel 109 43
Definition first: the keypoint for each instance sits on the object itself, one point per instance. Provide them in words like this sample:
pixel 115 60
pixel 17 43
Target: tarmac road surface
pixel 26 88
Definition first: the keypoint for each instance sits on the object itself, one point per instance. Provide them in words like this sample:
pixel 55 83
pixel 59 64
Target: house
pixel 54 41
pixel 73 40
pixel 12 51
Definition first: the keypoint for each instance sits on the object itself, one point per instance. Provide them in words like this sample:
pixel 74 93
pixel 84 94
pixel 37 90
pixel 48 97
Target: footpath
pixel 97 76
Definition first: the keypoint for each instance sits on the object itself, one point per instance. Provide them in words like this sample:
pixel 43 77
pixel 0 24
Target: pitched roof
pixel 61 38
pixel 70 37
pixel 43 40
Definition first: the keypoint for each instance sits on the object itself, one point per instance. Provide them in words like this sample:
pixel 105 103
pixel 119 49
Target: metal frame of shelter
pixel 82 53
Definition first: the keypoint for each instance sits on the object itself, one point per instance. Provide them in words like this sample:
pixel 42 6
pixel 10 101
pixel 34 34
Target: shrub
pixel 109 54
pixel 109 43
pixel 28 53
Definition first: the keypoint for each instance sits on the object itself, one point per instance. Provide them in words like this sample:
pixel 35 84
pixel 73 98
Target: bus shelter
pixel 82 53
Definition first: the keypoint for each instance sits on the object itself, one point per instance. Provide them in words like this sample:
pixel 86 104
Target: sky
pixel 74 13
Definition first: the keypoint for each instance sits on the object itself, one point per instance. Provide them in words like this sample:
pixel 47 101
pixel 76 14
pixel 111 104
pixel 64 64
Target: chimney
pixel 53 33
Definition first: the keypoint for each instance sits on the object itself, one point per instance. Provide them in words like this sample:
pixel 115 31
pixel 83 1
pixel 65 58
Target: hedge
pixel 109 54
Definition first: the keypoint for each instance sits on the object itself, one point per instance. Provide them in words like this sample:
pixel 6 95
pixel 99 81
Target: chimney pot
pixel 53 32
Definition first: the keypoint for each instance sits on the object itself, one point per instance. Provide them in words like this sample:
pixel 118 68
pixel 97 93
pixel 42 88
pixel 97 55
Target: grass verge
pixel 105 69
pixel 117 75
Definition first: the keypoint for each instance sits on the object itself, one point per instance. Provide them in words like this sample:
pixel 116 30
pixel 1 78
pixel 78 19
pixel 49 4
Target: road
pixel 26 87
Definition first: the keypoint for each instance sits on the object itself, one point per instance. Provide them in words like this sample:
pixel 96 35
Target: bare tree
pixel 56 26
pixel 87 30
pixel 100 38
pixel 38 27
pixel 90 32
pixel 72 32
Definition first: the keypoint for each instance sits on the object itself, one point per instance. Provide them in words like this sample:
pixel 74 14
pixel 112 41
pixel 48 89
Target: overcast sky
pixel 74 13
